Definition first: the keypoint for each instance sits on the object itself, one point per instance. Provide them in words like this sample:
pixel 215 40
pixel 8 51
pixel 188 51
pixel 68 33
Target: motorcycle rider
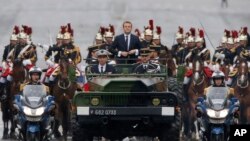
pixel 218 78
pixel 35 76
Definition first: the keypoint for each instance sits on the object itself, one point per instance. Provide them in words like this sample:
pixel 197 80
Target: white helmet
pixel 35 70
pixel 218 75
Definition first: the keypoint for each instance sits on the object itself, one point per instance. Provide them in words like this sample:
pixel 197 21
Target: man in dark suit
pixel 145 66
pixel 102 66
pixel 126 45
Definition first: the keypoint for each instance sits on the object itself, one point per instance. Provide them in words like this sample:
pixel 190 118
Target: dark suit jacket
pixel 119 44
pixel 109 69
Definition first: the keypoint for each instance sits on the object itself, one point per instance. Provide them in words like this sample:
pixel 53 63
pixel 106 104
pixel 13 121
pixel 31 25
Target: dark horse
pixel 167 59
pixel 242 90
pixel 18 75
pixel 64 90
pixel 198 83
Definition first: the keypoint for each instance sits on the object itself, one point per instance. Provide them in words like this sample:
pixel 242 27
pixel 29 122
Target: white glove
pixel 27 62
pixel 50 63
pixel 5 65
pixel 70 60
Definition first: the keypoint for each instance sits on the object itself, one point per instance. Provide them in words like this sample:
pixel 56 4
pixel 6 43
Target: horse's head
pixel 17 63
pixel 64 67
pixel 242 79
pixel 198 76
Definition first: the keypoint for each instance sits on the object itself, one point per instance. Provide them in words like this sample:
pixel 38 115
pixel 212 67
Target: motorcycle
pixel 215 113
pixel 33 113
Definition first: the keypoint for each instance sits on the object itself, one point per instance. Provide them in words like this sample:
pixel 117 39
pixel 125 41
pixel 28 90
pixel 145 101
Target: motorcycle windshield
pixel 34 95
pixel 217 98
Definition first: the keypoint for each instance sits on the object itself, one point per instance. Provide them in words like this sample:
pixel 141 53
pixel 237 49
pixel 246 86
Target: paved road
pixel 46 16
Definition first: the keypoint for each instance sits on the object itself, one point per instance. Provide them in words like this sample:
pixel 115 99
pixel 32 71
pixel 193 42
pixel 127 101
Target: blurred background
pixel 86 16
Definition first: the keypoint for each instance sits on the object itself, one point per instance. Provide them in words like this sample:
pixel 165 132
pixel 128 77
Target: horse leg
pixel 65 120
pixel 55 126
pixel 13 126
pixel 248 115
pixel 186 122
pixel 243 118
pixel 5 120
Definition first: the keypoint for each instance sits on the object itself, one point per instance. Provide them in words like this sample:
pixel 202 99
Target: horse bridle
pixel 64 87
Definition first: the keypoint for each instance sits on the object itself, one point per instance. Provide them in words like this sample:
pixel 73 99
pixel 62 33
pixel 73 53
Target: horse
pixel 11 89
pixel 64 90
pixel 199 81
pixel 242 90
pixel 167 59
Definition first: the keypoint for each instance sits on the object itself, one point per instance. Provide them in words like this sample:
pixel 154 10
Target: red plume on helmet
pixel 151 24
pixel 16 30
pixel 158 30
pixel 137 32
pixel 102 30
pixel 234 34
pixel 226 33
pixel 25 27
pixel 244 31
pixel 69 29
pixel 29 31
pixel 181 31
pixel 192 31
pixel 112 29
pixel 201 33
pixel 63 29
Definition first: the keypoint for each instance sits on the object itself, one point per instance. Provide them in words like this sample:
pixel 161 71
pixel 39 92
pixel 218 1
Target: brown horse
pixel 199 82
pixel 19 76
pixel 242 90
pixel 64 90
pixel 167 59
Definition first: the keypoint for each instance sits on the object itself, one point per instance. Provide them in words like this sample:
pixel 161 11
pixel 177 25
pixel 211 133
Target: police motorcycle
pixel 215 113
pixel 33 116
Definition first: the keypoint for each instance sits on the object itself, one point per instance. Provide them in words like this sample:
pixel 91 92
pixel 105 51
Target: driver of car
pixel 145 66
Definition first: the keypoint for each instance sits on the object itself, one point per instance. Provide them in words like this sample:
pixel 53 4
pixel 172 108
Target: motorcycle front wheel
pixel 33 136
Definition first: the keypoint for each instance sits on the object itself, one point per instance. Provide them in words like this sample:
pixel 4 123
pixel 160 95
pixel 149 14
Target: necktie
pixel 101 69
pixel 126 41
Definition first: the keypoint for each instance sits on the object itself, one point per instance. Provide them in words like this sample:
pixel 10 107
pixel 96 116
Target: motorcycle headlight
pixel 217 114
pixel 33 112
pixel 211 113
pixel 223 113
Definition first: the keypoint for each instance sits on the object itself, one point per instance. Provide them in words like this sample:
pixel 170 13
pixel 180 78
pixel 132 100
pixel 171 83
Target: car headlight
pixel 156 101
pixel 95 101
pixel 33 112
pixel 217 114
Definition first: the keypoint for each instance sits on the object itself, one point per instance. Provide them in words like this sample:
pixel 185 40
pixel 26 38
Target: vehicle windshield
pixel 217 97
pixel 34 95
